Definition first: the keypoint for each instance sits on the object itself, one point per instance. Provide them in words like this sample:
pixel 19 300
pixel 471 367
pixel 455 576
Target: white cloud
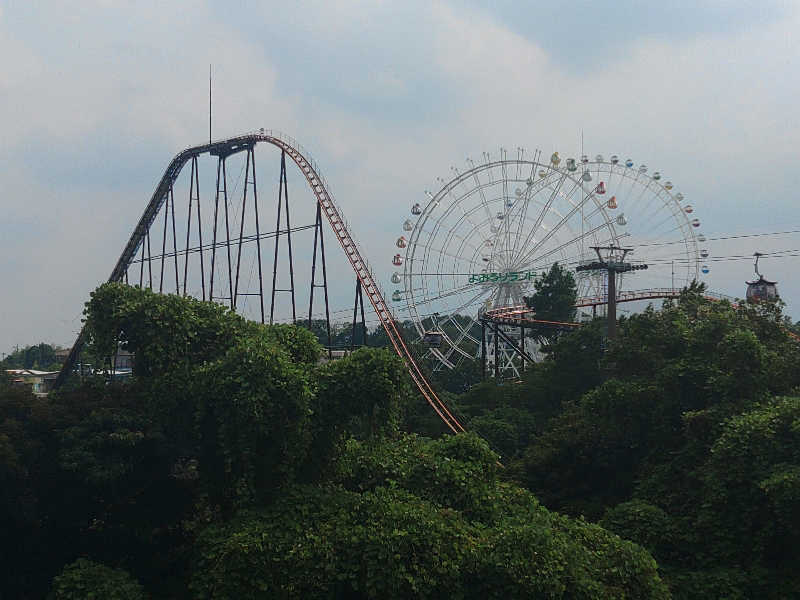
pixel 715 113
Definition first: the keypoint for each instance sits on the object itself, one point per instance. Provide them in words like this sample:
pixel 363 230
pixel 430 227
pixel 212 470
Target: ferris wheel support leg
pixel 496 354
pixel 483 350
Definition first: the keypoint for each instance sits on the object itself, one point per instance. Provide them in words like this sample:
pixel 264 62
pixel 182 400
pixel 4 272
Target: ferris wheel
pixel 482 239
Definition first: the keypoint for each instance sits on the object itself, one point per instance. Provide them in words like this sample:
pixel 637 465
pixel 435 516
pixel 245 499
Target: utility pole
pixel 613 263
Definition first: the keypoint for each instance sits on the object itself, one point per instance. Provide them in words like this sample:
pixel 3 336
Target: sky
pixel 97 96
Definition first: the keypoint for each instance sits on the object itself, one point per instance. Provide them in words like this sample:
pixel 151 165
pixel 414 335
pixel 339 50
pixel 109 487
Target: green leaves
pixel 554 298
pixel 85 579
pixel 388 543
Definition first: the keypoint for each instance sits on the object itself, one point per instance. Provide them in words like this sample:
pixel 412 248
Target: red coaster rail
pixel 335 218
pixel 364 274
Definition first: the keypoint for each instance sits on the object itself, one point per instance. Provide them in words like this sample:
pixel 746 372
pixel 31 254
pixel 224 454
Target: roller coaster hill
pixel 208 257
pixel 221 251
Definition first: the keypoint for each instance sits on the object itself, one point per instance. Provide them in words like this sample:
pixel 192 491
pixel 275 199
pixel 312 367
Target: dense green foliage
pixel 87 580
pixel 554 295
pixel 410 517
pixel 684 437
pixel 553 299
pixel 40 356
pixel 235 464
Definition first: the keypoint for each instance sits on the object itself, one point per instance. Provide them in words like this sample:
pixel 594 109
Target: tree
pixel 235 460
pixel 553 300
pixel 87 579
pixel 555 295
pixel 681 444
pixel 409 517
pixel 40 356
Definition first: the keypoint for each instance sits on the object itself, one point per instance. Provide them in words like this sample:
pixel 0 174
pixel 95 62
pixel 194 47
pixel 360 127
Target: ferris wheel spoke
pixel 574 240
pixel 632 181
pixel 449 255
pixel 464 331
pixel 657 227
pixel 455 346
pixel 481 221
pixel 475 227
pixel 538 266
pixel 545 210
pixel 479 187
pixel 458 201
pixel 447 293
pixel 653 198
pixel 555 229
pixel 523 212
pixel 464 305
pixel 514 256
pixel 632 206
pixel 675 228
pixel 431 236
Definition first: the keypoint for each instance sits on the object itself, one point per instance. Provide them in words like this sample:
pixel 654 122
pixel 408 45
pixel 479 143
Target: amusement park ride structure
pixel 163 198
pixel 479 244
pixel 494 247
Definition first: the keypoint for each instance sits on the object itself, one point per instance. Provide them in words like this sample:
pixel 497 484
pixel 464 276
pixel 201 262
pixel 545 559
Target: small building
pixel 40 382
pixel 122 360
pixel 62 354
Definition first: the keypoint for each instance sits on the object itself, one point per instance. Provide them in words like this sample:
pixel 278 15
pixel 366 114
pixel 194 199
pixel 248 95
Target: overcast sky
pixel 97 96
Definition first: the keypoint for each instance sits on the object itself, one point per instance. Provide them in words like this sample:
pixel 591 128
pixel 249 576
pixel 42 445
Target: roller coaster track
pixel 649 294
pixel 515 316
pixel 334 216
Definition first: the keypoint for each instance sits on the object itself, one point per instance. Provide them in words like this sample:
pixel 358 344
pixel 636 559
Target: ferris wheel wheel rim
pixel 628 173
pixel 435 200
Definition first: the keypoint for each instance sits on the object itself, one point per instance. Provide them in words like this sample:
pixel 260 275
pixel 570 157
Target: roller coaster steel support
pixel 324 284
pixel 283 194
pixel 359 300
pixel 498 333
pixel 327 205
pixel 221 173
pixel 251 164
pixel 194 196
pixel 483 349
pixel 513 316
pixel 519 349
pixel 171 199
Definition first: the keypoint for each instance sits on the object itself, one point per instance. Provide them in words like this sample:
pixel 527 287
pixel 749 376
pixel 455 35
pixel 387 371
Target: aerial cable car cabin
pixel 761 289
